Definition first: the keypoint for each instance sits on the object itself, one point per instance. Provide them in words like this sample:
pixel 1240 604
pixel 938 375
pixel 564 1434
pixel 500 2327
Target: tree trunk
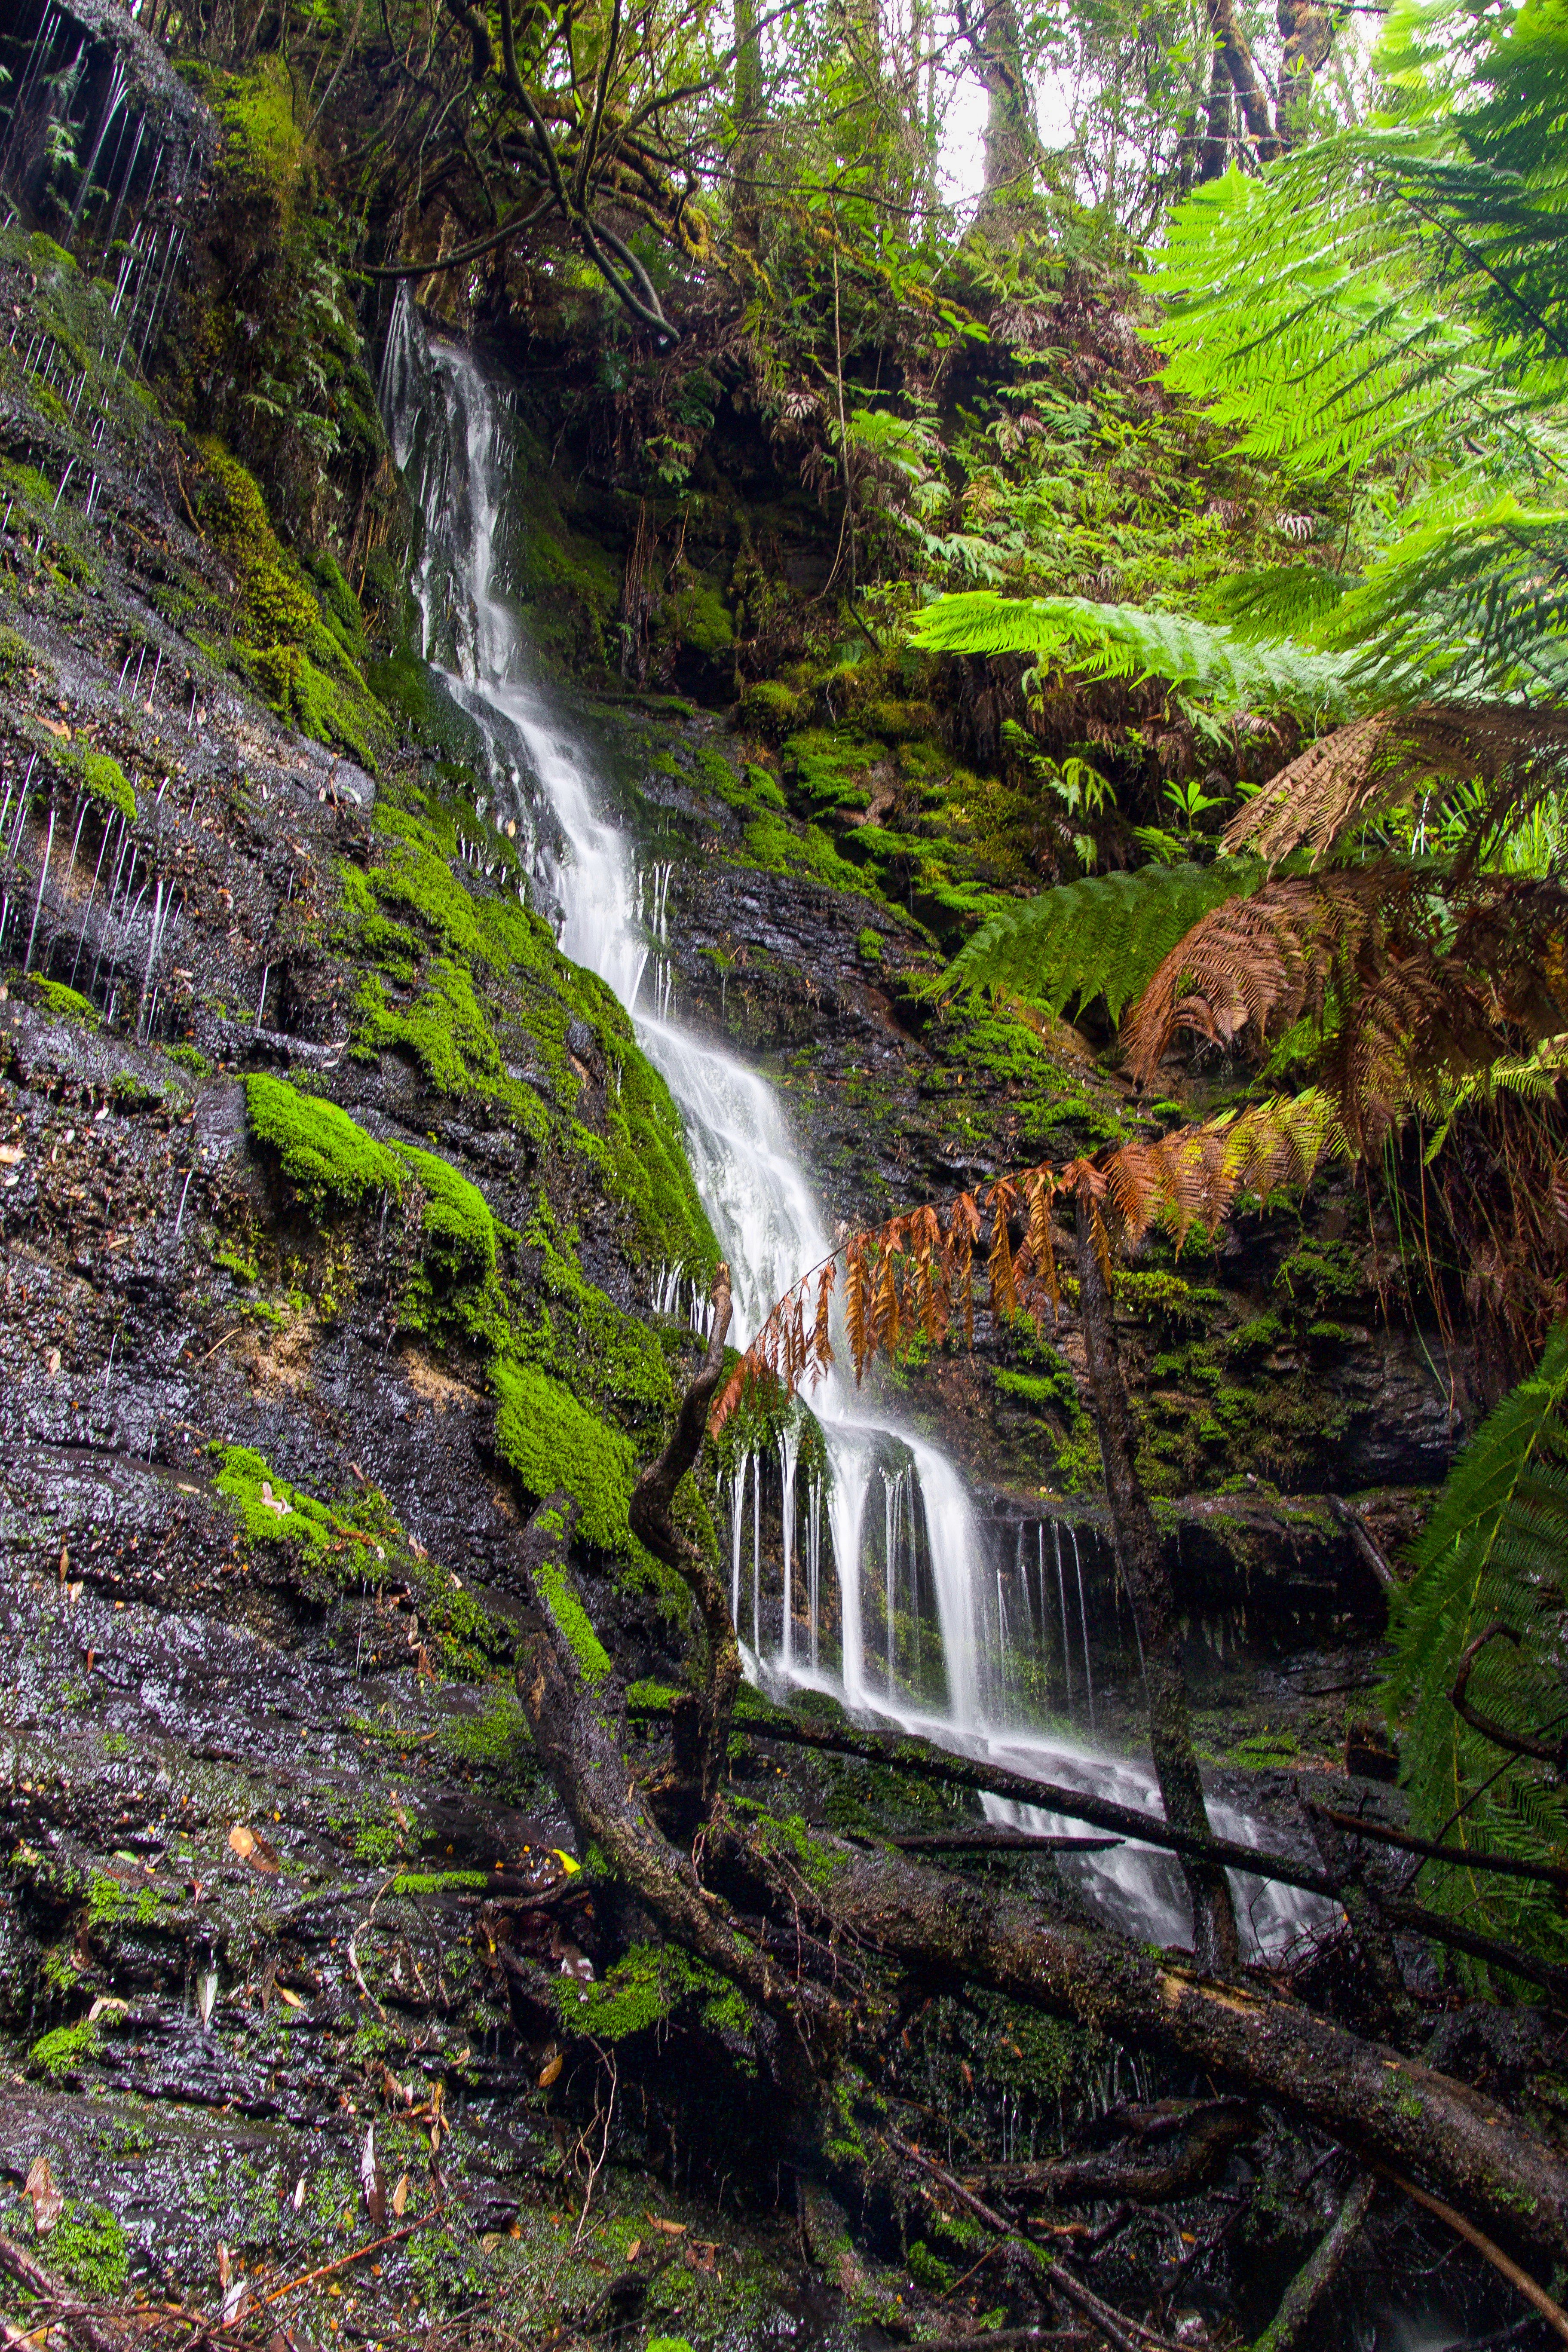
pixel 1012 143
pixel 747 198
pixel 700 1727
pixel 1231 42
pixel 1214 158
pixel 1317 2274
pixel 1141 1559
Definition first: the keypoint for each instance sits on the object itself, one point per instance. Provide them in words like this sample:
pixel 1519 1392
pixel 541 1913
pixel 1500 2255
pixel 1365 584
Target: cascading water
pixel 446 429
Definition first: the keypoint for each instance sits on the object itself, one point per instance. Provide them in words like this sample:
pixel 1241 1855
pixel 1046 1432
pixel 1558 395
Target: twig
pixel 596 2166
pixel 310 2277
pixel 221 1343
pixel 36 2280
pixel 1550 2312
pixel 1113 2324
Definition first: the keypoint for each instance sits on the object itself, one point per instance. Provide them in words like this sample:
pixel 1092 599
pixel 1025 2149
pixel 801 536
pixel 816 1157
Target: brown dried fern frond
pixel 1260 963
pixel 907 1274
pixel 1362 771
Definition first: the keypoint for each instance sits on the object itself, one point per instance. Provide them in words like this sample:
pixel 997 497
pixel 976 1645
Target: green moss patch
pixel 551 1441
pixel 106 781
pixel 324 1153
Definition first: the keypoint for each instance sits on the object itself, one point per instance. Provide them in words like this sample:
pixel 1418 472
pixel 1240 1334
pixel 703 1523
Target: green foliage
pixel 282 643
pixel 59 2055
pixel 1492 1554
pixel 1099 938
pixel 1383 313
pixel 1232 671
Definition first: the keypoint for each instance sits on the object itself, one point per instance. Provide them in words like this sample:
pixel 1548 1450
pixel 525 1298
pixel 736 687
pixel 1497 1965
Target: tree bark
pixel 1214 159
pixel 1231 42
pixel 701 1725
pixel 1317 2274
pixel 575 1711
pixel 1143 1563
pixel 746 203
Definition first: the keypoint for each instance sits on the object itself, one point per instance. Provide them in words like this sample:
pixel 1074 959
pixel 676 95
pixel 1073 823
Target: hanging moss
pixel 325 1154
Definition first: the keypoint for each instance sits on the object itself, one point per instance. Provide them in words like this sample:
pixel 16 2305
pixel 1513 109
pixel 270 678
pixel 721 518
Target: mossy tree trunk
pixel 1141 1559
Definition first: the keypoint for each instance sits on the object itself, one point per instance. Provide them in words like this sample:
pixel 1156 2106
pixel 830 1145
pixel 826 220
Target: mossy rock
pixel 65 1003
pixel 105 781
pixel 770 710
pixel 324 1153
pixel 552 1442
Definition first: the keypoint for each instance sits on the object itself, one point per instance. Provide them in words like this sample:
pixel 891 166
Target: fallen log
pixel 939 1926
pixel 1388 2108
pixel 1211 2133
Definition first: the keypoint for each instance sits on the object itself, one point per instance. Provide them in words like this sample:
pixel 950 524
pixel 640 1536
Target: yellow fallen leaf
pixel 400 2197
pixel 242 1840
pixel 291 2000
pixel 634 2250
pixel 552 2071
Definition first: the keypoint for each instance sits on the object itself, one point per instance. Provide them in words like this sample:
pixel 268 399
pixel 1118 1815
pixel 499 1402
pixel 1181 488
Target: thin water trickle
pixel 447 433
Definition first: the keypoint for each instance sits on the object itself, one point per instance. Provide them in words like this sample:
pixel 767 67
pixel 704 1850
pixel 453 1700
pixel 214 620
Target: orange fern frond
pixel 821 1343
pixel 1256 964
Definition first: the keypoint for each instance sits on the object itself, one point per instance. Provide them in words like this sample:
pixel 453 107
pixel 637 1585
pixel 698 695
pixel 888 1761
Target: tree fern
pixel 1492 1553
pixel 1101 937
pixel 1233 670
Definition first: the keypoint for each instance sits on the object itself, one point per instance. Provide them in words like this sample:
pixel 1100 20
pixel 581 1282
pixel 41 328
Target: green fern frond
pixel 1494 1551
pixel 1534 1076
pixel 1276 600
pixel 1234 671
pixel 1100 938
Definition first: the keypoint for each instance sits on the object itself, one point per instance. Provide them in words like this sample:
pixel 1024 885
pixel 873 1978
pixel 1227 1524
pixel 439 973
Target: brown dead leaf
pixel 400 2197
pixel 242 1840
pixel 551 2070
pixel 48 2202
pixel 634 2250
pixel 670 2228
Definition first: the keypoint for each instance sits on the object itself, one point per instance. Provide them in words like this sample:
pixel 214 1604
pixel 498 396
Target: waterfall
pixel 789 1453
pixel 447 435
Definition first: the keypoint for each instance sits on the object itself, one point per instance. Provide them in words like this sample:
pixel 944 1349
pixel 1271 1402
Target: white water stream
pixel 448 434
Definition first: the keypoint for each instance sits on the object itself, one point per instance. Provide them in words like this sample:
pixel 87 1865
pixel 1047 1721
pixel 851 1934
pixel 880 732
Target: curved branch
pixel 699 1724
pixel 477 27
pixel 591 140
pixel 1516 1743
pixel 464 254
